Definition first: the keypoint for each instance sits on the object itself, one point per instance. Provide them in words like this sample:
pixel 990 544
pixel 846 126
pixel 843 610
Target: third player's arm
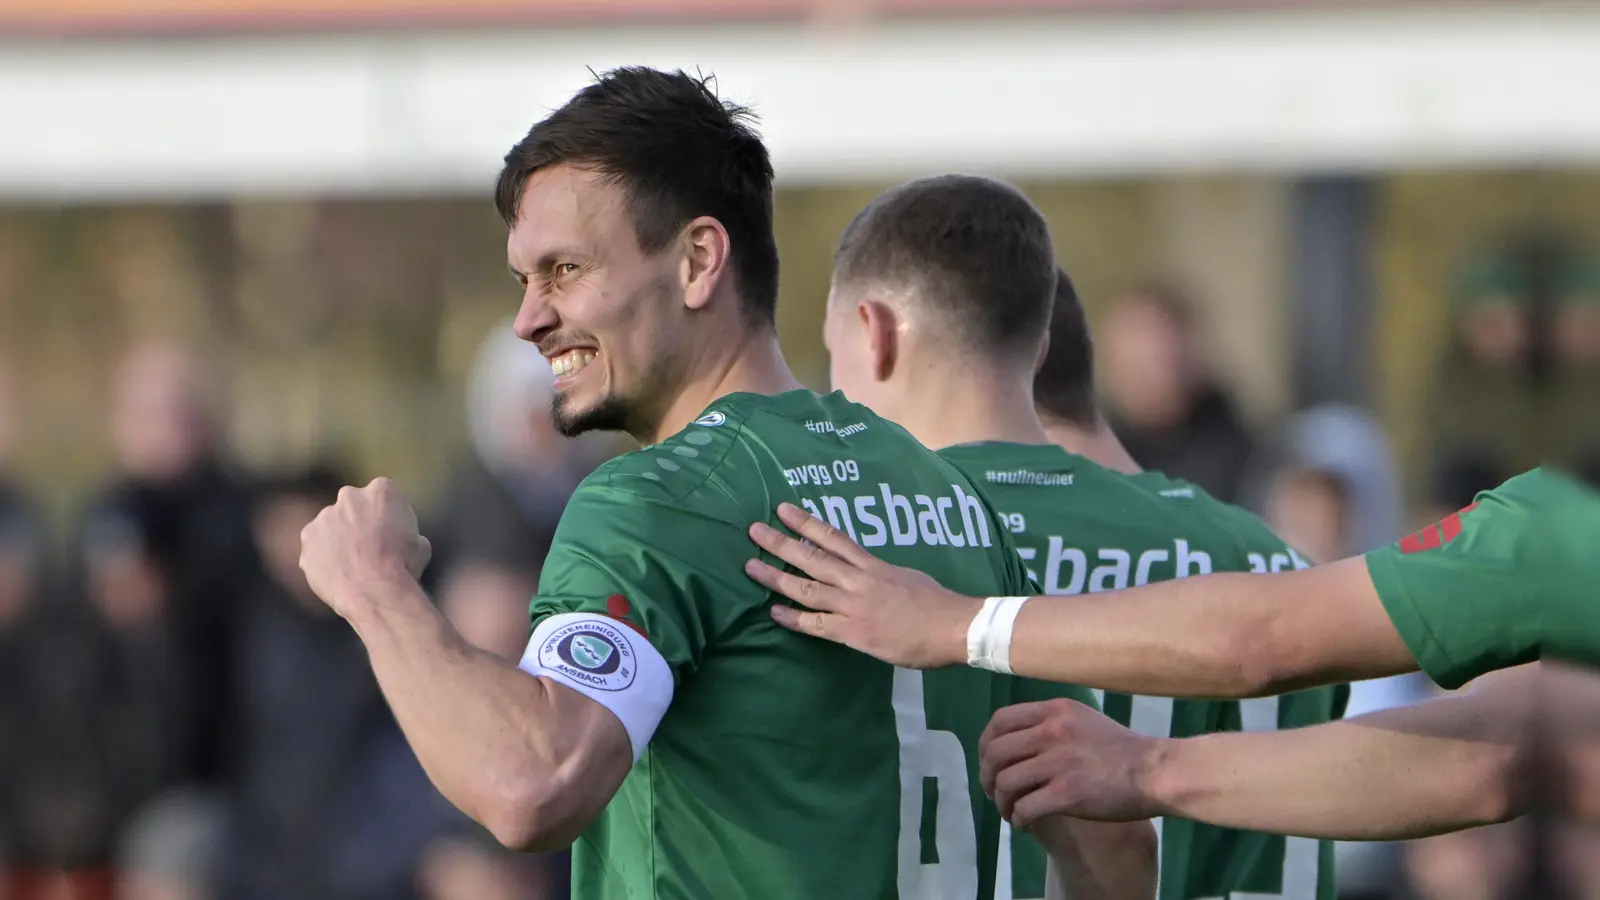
pixel 1224 635
pixel 1090 860
pixel 1438 766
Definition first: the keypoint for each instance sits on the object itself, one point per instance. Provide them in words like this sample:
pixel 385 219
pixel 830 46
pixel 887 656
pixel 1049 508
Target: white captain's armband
pixel 606 661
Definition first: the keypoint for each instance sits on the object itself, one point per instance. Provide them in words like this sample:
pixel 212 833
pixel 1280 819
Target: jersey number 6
pixel 935 759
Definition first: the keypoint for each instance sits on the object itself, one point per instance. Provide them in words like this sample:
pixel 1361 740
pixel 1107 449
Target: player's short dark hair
pixel 1063 388
pixel 678 151
pixel 975 249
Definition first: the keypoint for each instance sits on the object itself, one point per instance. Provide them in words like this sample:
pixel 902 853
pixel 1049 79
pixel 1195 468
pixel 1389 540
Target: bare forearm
pixel 1435 767
pixel 1098 860
pixel 1227 635
pixel 1154 640
pixel 483 730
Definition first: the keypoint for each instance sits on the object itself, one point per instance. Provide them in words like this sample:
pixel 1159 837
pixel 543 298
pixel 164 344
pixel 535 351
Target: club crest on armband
pixel 592 653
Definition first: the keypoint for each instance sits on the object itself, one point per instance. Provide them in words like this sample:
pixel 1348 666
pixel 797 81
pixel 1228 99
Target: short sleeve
pixel 1017 580
pixel 671 568
pixel 1458 591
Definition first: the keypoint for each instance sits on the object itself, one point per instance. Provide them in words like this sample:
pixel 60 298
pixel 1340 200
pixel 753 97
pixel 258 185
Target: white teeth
pixel 571 361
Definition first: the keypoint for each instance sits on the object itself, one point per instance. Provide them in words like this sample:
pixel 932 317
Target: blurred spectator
pixel 22 583
pixel 1337 491
pixel 1483 409
pixel 500 507
pixel 1334 495
pixel 166 442
pixel 327 801
pixel 170 850
pixel 99 699
pixel 1164 401
pixel 1575 347
pixel 21 536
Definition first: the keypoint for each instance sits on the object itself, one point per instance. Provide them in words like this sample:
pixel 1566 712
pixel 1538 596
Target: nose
pixel 536 318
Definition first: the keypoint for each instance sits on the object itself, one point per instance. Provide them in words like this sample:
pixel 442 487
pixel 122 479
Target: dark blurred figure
pixel 128 675
pixel 1164 402
pixel 1575 351
pixel 23 582
pixel 1335 491
pixel 326 801
pixel 104 720
pixel 490 534
pixel 1483 409
pixel 167 443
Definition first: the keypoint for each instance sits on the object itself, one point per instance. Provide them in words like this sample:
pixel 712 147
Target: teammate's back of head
pixel 971 257
pixel 1063 388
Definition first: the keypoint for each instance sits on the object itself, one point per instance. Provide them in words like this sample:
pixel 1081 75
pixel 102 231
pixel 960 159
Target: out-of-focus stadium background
pixel 1343 260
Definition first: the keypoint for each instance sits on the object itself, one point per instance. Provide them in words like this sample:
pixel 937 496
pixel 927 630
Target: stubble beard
pixel 610 414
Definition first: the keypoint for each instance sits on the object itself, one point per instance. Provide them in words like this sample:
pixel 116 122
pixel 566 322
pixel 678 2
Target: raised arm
pixel 1439 766
pixel 530 759
pixel 1226 635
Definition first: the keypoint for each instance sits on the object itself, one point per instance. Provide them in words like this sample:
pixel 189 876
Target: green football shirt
pixel 1499 583
pixel 784 766
pixel 1083 528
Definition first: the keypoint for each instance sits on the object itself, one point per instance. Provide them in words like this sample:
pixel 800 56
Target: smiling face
pixel 607 315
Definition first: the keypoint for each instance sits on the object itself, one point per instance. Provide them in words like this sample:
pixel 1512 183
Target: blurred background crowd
pixel 194 357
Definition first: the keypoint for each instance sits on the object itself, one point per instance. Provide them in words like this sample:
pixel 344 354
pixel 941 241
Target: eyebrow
pixel 548 259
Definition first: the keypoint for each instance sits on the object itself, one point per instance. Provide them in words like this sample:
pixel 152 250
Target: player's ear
pixel 706 259
pixel 1044 352
pixel 883 336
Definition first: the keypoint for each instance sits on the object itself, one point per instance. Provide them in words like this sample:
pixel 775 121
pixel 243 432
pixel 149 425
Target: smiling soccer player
pixel 689 745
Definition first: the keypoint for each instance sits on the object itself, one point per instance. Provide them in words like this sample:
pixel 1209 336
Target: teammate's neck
pixel 1099 444
pixel 962 409
pixel 753 365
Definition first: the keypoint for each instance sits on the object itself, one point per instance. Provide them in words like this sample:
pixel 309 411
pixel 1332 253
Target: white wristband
pixel 989 635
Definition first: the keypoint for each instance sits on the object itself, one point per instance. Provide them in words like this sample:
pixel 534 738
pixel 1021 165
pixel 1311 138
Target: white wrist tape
pixel 604 660
pixel 989 635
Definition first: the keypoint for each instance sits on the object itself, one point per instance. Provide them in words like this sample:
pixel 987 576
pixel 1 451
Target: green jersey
pixel 1083 528
pixel 1499 583
pixel 782 766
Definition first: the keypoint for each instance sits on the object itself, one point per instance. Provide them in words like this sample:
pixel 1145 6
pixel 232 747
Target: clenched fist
pixel 1060 757
pixel 369 536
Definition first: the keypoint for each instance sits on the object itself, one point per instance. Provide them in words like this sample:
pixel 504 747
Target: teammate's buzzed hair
pixel 679 152
pixel 1063 388
pixel 974 249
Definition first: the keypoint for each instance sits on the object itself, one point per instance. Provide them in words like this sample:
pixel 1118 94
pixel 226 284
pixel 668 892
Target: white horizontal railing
pixel 1060 96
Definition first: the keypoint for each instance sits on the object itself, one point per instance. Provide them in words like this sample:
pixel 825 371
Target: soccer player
pixel 1497 585
pixel 658 717
pixel 945 300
